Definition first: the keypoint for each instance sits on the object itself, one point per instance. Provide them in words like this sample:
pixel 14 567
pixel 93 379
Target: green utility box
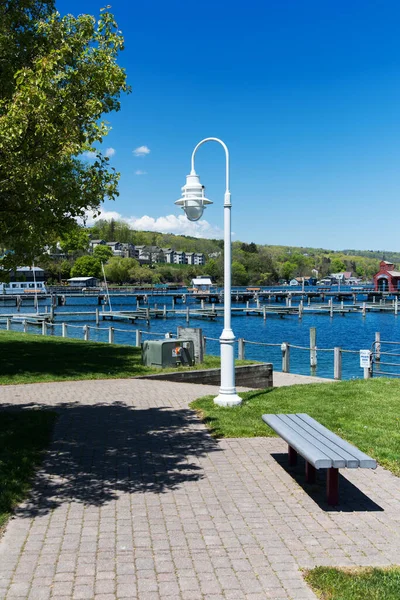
pixel 168 353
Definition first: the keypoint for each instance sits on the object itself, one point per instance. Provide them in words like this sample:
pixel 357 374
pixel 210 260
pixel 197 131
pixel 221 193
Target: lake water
pixel 350 332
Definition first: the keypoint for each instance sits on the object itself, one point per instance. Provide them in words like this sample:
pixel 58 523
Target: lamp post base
pixel 227 400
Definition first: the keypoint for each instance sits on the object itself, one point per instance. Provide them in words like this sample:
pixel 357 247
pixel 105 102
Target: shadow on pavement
pixel 351 498
pixel 100 451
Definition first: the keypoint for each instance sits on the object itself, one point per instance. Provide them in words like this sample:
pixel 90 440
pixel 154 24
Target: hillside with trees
pixel 252 264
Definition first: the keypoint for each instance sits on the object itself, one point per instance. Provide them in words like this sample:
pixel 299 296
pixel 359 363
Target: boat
pixel 18 288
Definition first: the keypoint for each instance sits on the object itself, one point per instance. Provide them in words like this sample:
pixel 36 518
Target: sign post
pixel 365 362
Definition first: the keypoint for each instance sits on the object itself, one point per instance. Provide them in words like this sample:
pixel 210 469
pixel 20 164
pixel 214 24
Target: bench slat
pixel 339 459
pixel 314 456
pixel 365 461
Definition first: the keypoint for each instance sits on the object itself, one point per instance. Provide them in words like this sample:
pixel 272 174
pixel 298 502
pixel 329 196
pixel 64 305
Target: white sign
pixel 365 359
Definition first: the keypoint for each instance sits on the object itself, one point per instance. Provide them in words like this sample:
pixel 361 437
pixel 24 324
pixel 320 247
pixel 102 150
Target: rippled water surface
pixel 351 332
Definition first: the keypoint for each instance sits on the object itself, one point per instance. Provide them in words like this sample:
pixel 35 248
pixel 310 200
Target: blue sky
pixel 306 94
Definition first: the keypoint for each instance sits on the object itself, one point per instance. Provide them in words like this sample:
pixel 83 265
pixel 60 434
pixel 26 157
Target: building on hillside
pixel 129 250
pixel 387 279
pixel 94 243
pixel 116 248
pixel 83 282
pixel 195 258
pixel 150 254
pixel 199 258
pixel 168 255
pixel 180 258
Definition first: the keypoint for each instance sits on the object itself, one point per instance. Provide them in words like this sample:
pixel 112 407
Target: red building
pixel 387 279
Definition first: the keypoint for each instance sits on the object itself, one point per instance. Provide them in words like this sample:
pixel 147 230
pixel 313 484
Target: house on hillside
pixel 387 279
pixel 150 254
pixel 94 243
pixel 168 255
pixel 180 258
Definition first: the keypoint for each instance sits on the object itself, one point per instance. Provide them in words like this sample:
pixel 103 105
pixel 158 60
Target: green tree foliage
pixel 75 240
pixel 59 76
pixel 288 269
pixel 86 266
pixel 213 269
pixel 121 270
pixel 103 253
pixel 239 274
pixel 337 265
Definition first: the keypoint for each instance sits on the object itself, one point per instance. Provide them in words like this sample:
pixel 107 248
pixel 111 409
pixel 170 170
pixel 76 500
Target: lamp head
pixel 193 201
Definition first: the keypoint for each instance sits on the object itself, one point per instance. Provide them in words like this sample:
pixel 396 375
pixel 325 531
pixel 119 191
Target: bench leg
pixel 310 473
pixel 292 456
pixel 332 486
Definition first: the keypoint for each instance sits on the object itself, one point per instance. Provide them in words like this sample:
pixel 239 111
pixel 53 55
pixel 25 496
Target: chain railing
pixel 381 359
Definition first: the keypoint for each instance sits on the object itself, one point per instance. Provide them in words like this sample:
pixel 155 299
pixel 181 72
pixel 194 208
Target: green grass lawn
pixel 361 584
pixel 366 413
pixel 27 358
pixel 23 437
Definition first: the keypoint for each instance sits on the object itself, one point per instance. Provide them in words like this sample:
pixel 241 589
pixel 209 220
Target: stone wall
pixel 252 376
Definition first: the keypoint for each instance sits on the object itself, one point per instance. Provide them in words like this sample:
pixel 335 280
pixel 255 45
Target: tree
pixel 120 270
pixel 213 269
pixel 86 266
pixel 75 240
pixel 239 274
pixel 103 253
pixel 59 77
pixel 288 270
pixel 337 265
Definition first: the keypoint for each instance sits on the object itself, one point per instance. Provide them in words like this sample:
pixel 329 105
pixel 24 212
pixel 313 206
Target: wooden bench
pixel 320 447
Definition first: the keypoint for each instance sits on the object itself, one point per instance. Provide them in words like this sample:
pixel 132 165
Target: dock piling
pixel 111 335
pixel 25 325
pixel 44 328
pixel 337 363
pixel 313 347
pixel 138 338
pixel 377 346
pixel 97 316
pixel 86 333
pixel 8 324
pixel 64 330
pixel 241 349
pixel 187 314
pixel 285 347
pixel 264 313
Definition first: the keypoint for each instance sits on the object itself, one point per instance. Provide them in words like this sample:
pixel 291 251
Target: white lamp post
pixel 193 202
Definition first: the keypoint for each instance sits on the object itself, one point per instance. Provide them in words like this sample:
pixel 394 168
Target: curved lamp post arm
pixel 212 139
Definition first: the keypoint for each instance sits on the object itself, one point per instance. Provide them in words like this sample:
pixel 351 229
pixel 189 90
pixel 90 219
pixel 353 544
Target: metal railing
pixel 382 363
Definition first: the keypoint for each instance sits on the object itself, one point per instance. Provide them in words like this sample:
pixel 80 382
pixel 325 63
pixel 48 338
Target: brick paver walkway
pixel 135 500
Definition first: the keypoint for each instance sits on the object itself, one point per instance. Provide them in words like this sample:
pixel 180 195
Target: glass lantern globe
pixel 193 201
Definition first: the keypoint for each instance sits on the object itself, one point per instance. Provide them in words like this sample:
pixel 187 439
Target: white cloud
pixel 110 152
pixel 139 172
pixel 141 151
pixel 179 225
pixel 90 155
